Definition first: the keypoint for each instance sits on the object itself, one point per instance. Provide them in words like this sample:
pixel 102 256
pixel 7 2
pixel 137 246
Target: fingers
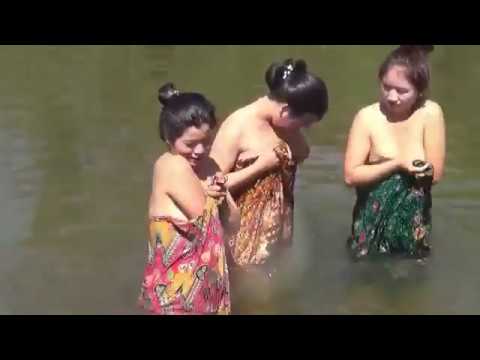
pixel 217 180
pixel 422 169
pixel 249 159
pixel 427 167
pixel 220 179
pixel 215 187
pixel 216 194
pixel 210 181
pixel 419 167
pixel 418 163
pixel 215 191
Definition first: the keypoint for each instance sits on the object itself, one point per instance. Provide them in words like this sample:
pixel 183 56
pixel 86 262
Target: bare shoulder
pixel 168 167
pixel 160 164
pixel 366 115
pixel 433 111
pixel 232 125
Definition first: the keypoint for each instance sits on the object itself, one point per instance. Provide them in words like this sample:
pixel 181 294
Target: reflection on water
pixel 78 138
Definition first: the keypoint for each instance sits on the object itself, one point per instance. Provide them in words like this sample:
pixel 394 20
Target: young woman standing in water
pixel 395 153
pixel 260 146
pixel 186 272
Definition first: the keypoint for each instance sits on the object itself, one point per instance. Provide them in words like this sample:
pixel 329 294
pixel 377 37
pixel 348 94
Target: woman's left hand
pixel 215 186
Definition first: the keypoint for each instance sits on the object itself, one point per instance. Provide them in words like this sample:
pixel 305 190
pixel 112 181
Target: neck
pixel 395 117
pixel 285 133
pixel 265 108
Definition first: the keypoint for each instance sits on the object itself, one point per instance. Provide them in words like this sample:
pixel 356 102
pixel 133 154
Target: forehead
pixel 194 133
pixel 396 76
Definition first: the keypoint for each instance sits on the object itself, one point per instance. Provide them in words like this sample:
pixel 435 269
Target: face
pixel 193 144
pixel 398 95
pixel 292 122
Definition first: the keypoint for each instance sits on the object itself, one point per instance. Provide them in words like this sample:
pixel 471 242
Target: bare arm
pixel 225 150
pixel 226 146
pixel 356 173
pixel 246 176
pixel 434 142
pixel 298 142
pixel 215 186
pixel 230 214
pixel 182 186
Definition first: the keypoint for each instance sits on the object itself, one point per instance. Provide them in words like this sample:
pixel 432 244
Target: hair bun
pixel 273 76
pixel 166 92
pixel 423 49
pixel 300 66
pixel 277 73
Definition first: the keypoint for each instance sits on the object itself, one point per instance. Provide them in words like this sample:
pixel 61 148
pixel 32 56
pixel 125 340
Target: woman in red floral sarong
pixel 189 210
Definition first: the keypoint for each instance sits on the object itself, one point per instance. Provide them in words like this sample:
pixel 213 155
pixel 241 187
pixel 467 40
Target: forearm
pixel 230 214
pixel 244 177
pixel 366 174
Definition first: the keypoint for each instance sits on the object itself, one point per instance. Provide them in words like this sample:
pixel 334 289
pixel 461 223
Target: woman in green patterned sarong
pixel 395 153
pixel 392 216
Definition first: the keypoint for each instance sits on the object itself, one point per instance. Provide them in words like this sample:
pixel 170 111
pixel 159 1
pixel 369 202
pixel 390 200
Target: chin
pixel 395 109
pixel 194 163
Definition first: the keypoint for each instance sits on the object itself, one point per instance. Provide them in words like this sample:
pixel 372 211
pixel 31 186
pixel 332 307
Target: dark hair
pixel 415 60
pixel 182 110
pixel 290 82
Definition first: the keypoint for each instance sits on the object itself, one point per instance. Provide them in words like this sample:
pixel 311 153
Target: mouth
pixel 194 161
pixel 394 106
pixel 393 103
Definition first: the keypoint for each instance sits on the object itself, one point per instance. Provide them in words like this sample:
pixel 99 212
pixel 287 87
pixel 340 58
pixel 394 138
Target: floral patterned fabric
pixel 392 217
pixel 266 212
pixel 186 271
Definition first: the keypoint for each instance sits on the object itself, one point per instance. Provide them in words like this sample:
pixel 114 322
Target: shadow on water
pixel 78 136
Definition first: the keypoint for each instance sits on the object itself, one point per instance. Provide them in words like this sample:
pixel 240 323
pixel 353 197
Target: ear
pixel 284 112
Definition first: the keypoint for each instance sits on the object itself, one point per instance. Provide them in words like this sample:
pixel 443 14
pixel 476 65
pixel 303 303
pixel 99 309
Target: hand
pixel 245 159
pixel 418 168
pixel 215 186
pixel 422 164
pixel 268 160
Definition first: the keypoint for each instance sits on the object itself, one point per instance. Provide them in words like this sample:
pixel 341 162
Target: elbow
pixel 437 176
pixel 348 179
pixel 436 179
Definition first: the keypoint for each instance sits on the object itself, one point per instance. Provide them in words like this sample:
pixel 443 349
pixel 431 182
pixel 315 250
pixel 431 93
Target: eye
pixel 190 144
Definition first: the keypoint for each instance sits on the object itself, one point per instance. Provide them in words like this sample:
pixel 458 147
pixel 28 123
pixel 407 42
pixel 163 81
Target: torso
pixel 160 204
pixel 266 210
pixel 258 136
pixel 396 139
pixel 270 198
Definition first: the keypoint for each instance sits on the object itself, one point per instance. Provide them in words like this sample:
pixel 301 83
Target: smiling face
pixel 398 94
pixel 193 144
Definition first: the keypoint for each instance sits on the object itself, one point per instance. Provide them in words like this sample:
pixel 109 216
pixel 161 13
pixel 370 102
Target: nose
pixel 392 96
pixel 199 150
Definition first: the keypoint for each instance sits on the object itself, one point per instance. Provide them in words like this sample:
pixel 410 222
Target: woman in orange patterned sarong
pixel 259 146
pixel 186 271
pixel 266 207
